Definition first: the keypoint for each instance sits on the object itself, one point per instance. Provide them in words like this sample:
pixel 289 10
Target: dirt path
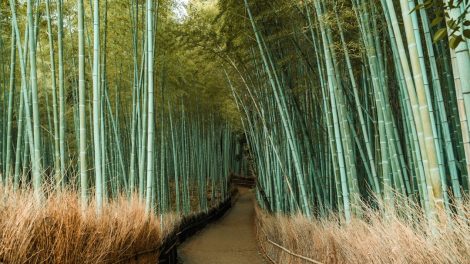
pixel 231 240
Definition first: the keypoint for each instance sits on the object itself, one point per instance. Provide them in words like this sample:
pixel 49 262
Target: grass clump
pixel 59 230
pixel 403 236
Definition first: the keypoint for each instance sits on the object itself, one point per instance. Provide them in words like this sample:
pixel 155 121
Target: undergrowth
pixel 58 230
pixel 403 236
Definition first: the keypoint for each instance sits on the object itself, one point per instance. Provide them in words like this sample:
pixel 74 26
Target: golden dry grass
pixel 403 237
pixel 58 231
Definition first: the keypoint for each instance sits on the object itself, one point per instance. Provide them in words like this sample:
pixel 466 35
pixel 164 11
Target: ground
pixel 231 240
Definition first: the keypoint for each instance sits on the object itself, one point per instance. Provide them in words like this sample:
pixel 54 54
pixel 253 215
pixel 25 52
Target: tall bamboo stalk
pixel 82 107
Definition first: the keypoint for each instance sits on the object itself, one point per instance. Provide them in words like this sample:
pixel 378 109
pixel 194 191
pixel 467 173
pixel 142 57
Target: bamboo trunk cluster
pixel 375 124
pixel 128 148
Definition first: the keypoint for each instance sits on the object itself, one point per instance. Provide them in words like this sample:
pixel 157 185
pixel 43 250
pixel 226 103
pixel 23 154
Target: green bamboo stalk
pixel 57 173
pixel 60 57
pixel 82 108
pixel 97 109
pixel 8 170
pixel 151 113
pixel 36 157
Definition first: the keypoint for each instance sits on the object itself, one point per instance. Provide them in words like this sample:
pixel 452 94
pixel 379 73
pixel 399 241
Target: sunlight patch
pixel 180 9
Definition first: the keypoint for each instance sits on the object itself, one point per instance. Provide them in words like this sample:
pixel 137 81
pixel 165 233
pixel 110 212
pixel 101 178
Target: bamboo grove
pixel 354 102
pixel 68 123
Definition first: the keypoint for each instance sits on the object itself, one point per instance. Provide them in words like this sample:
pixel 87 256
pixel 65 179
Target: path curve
pixel 230 240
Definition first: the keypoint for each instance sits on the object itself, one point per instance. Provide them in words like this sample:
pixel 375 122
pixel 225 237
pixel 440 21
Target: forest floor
pixel 231 240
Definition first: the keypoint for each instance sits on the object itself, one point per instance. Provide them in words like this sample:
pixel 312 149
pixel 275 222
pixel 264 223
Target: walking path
pixel 231 240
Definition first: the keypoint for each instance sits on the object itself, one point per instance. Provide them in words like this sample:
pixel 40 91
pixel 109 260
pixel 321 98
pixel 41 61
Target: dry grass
pixel 403 237
pixel 58 231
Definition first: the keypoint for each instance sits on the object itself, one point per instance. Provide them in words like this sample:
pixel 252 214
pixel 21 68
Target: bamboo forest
pixel 234 131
